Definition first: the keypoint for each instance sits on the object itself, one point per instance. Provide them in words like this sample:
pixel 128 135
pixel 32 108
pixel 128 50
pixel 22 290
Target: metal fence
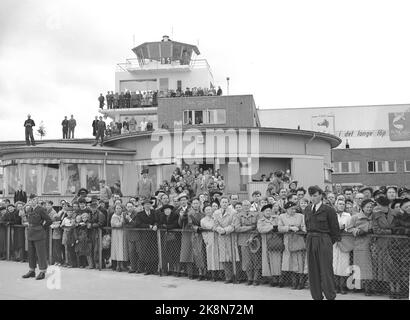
pixel 372 264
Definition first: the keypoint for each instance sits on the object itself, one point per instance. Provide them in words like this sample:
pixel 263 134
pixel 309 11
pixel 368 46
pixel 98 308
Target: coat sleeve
pixel 263 227
pixel 303 225
pixel 46 218
pixel 282 227
pixel 380 223
pixel 140 223
pixel 333 225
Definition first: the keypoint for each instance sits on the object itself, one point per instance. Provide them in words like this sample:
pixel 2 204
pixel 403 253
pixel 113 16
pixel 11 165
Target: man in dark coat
pixel 38 221
pixel 94 125
pixel 64 124
pixel 100 132
pixel 133 237
pixel 97 221
pixel 147 219
pixel 29 124
pixel 322 232
pixel 20 195
pixel 101 99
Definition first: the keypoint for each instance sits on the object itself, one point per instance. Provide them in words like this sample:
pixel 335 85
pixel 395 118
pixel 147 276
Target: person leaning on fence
pixel 293 257
pixel 83 241
pixel 211 241
pixel 251 262
pixel 97 221
pixel 36 234
pixel 399 249
pixel 68 240
pixel 382 218
pixel 272 244
pixel 360 225
pixel 194 223
pixel 147 219
pixel 225 223
pixel 118 243
pixel 133 238
pixel 322 232
pixel 186 254
pixel 342 249
pixel 171 240
pixel 56 235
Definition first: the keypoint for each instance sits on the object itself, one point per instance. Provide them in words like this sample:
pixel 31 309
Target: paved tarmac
pixel 101 285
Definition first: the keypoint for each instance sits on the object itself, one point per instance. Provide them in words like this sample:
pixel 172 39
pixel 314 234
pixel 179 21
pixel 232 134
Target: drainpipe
pixel 310 140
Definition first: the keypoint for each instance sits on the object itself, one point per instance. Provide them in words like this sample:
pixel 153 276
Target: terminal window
pixel 381 166
pixel 346 167
pixel 209 116
pixel 407 165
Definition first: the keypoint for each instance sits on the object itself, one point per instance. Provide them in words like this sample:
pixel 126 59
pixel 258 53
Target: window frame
pixel 383 163
pixel 338 165
pixel 406 169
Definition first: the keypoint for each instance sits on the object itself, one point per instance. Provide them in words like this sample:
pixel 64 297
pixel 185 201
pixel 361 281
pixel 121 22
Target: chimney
pixel 347 144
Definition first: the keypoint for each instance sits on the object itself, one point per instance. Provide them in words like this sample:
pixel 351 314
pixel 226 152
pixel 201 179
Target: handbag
pixel 274 242
pixel 296 242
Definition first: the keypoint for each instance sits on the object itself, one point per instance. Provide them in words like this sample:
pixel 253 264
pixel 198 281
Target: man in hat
pixel 404 193
pixel 101 127
pixel 29 124
pixel 64 124
pixel 147 219
pixel 322 232
pixel 38 221
pixel 367 192
pixel 251 262
pixel 145 187
pixel 96 222
pixel 105 193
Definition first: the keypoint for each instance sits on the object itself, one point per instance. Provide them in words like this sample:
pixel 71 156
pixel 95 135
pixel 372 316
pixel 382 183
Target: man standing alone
pixel 29 124
pixel 322 232
pixel 145 189
pixel 65 128
pixel 38 221
pixel 71 126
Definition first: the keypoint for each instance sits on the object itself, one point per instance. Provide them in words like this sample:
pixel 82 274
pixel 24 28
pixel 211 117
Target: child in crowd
pixel 57 255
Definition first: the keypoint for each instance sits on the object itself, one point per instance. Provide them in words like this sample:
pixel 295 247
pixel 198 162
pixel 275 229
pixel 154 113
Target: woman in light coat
pixel 360 225
pixel 225 223
pixel 293 258
pixel 341 257
pixel 211 242
pixel 271 259
pixel 118 243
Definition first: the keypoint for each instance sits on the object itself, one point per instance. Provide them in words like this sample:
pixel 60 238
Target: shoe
pixel 30 274
pixel 343 290
pixel 249 283
pixel 41 276
pixel 131 271
pixel 256 283
pixel 273 284
pixel 228 281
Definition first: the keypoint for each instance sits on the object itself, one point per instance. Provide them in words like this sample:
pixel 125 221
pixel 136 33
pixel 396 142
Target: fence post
pixel 50 245
pixel 233 257
pixel 100 249
pixel 159 252
pixel 8 242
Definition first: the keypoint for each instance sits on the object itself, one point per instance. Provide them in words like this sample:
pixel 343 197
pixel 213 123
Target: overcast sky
pixel 57 56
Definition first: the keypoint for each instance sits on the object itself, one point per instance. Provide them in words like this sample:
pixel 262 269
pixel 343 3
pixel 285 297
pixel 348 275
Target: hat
pixel 182 195
pixel 32 196
pixel 366 188
pixel 394 202
pixel 289 204
pixel 146 201
pixel 403 201
pixel 88 200
pixel 254 245
pixel 144 171
pixel 2 207
pixel 378 192
pixel 403 190
pixel 167 206
pixel 94 203
pixel 294 181
pixel 267 206
pixel 217 192
pixel 82 190
pixel 82 200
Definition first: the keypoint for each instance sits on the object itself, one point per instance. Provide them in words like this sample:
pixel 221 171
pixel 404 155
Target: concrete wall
pixel 239 109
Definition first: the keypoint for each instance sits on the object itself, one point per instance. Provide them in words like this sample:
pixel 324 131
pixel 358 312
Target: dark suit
pixel 149 242
pixel 134 242
pixel 29 124
pixel 97 220
pixel 322 232
pixel 38 221
pixel 20 195
pixel 170 240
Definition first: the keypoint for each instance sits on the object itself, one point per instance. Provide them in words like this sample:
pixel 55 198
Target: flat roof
pixel 353 106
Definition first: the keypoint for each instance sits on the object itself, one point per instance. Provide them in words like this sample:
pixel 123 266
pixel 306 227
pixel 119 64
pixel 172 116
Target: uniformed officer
pixel 322 232
pixel 38 221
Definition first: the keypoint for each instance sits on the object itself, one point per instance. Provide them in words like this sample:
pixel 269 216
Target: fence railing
pixel 379 264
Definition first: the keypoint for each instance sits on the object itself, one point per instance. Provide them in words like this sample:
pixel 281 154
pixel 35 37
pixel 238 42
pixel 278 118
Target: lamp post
pixel 227 87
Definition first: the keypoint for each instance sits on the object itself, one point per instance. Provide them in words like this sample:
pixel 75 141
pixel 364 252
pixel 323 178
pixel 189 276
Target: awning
pixel 84 161
pixel 115 162
pixel 38 161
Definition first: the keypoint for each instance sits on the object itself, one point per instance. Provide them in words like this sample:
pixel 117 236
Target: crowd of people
pixel 127 99
pixel 208 235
